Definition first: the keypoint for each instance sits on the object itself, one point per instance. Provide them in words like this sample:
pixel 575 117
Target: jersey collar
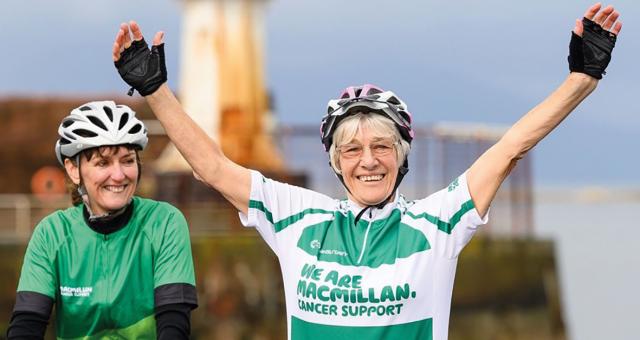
pixel 374 212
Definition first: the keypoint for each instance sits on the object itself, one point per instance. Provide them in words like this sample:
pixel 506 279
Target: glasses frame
pixel 359 149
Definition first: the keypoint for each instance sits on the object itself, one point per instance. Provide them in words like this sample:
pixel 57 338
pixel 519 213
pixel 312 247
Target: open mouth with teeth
pixel 115 188
pixel 370 178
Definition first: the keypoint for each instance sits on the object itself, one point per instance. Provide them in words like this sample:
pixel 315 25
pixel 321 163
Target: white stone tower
pixel 222 81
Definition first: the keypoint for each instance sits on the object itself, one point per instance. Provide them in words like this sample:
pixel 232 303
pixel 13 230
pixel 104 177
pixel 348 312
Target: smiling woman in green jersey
pixel 114 265
pixel 375 265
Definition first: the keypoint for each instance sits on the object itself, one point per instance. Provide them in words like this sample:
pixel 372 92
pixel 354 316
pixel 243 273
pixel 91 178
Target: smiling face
pixel 367 151
pixel 370 175
pixel 110 177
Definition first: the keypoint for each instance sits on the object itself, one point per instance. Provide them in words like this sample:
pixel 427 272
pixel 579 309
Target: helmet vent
pixel 393 100
pixel 123 120
pixel 405 115
pixel 109 113
pixel 64 141
pixel 67 123
pixel 373 90
pixel 85 133
pixel 69 136
pixel 358 91
pixel 135 129
pixel 97 122
pixel 85 108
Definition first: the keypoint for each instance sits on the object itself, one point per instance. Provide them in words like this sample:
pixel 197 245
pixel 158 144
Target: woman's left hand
pixel 607 19
pixel 593 40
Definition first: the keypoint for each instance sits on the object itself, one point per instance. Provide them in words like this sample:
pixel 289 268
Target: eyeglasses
pixel 378 149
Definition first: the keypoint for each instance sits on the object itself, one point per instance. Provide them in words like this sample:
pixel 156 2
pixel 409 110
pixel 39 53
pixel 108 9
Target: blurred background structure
pixel 542 269
pixel 222 81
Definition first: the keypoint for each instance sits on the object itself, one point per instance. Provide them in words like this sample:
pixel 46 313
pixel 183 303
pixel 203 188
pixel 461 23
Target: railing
pixel 439 154
pixel 20 212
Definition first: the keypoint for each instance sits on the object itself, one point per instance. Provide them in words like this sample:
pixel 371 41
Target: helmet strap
pixel 402 170
pixel 82 191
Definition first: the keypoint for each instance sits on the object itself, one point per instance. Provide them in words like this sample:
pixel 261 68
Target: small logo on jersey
pixel 334 252
pixel 76 291
pixel 453 185
pixel 315 244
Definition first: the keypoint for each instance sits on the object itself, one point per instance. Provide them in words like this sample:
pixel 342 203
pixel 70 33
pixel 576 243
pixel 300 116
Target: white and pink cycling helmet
pixel 367 99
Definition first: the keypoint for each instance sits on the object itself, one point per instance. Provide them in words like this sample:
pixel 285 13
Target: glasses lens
pixel 382 148
pixel 379 148
pixel 351 150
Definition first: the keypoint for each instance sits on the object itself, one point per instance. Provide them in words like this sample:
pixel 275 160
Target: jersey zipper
pixel 366 235
pixel 106 279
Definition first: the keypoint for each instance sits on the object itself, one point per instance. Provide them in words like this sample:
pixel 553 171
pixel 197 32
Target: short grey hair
pixel 381 126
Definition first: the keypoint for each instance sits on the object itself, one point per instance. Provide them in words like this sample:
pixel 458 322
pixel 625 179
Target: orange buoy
pixel 48 181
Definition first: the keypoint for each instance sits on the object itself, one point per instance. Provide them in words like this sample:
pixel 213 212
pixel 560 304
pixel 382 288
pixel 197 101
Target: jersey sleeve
pixel 451 217
pixel 38 271
pixel 174 262
pixel 274 206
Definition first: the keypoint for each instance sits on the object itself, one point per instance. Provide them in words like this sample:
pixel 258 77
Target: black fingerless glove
pixel 143 69
pixel 591 53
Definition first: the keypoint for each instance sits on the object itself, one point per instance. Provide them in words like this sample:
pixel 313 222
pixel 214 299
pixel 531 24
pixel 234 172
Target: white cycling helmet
pixel 96 124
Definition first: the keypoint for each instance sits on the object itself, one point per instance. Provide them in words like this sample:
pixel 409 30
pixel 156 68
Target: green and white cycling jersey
pixel 107 285
pixel 388 277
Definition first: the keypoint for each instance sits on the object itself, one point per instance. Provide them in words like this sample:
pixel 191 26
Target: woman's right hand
pixel 142 68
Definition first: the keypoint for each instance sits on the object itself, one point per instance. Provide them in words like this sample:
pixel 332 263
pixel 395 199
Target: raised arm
pixel 489 171
pixel 144 70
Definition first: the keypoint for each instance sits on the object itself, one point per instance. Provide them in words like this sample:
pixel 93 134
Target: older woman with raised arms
pixel 375 265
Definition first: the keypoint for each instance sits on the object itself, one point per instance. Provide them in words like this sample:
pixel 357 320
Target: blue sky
pixel 473 61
